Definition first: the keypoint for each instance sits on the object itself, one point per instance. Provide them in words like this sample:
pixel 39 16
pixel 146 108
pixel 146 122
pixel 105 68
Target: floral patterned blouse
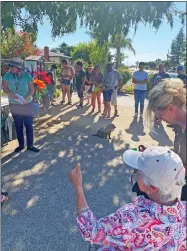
pixel 141 225
pixel 96 79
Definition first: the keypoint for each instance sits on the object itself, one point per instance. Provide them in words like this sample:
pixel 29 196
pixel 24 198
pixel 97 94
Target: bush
pixel 129 88
pixel 126 75
pixel 56 93
pixel 149 83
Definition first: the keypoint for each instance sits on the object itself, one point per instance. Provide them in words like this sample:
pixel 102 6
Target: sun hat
pixel 16 62
pixel 180 68
pixel 160 164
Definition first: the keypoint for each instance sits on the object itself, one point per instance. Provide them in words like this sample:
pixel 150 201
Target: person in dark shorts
pixel 80 81
pixel 68 73
pixel 108 85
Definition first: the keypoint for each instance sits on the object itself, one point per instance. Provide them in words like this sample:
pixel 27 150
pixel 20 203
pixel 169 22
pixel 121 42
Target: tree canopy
pixel 178 48
pixel 17 44
pixel 64 48
pixel 107 17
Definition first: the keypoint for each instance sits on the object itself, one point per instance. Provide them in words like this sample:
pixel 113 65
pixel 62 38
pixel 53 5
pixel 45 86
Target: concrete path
pixel 40 214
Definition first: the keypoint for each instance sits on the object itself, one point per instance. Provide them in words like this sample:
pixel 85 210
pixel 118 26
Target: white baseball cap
pixel 160 164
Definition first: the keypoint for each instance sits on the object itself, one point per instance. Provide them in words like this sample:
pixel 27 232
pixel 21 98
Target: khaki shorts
pixel 114 98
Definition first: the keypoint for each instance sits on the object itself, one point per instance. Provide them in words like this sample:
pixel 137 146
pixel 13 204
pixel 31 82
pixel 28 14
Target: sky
pixel 148 43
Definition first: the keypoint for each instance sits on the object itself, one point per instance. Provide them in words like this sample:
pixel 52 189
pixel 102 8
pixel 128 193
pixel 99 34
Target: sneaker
pixel 116 114
pixel 136 115
pixel 70 103
pixel 19 149
pixel 33 149
pixel 62 102
pixel 79 106
pixel 141 116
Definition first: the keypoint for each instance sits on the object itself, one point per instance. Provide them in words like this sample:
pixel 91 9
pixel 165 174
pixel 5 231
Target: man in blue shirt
pixel 157 78
pixel 140 79
pixel 111 82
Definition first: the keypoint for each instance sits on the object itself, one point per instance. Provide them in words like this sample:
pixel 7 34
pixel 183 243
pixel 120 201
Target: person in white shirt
pixel 140 79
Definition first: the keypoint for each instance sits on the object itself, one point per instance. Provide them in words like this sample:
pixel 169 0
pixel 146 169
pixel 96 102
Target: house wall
pixel 58 60
pixel 29 63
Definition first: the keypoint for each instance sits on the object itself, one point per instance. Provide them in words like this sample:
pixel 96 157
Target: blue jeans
pixel 23 116
pixel 139 97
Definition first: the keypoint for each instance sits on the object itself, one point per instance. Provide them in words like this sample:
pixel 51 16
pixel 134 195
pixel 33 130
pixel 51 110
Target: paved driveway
pixel 40 214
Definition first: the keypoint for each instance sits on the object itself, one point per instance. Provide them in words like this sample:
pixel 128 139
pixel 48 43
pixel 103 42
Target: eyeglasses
pixel 158 114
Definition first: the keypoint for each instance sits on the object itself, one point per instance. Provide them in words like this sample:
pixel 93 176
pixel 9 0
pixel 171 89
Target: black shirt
pixel 180 143
pixel 183 77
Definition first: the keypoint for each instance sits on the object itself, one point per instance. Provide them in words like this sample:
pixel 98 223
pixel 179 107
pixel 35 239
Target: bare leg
pixel 108 107
pixel 81 101
pixel 68 93
pixel 105 110
pixel 64 93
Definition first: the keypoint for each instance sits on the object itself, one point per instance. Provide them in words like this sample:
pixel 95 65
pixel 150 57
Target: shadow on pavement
pixel 159 134
pixel 40 214
pixel 136 128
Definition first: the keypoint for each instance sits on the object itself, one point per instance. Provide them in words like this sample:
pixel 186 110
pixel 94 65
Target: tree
pixel 120 42
pixel 178 48
pixel 65 48
pixel 17 44
pixel 107 17
pixel 91 53
pixel 82 50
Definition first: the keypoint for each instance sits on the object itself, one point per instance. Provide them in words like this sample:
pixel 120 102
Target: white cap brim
pixel 131 157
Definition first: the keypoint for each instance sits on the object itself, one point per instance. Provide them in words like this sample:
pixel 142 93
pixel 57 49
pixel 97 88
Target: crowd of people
pixel 90 84
pixel 156 220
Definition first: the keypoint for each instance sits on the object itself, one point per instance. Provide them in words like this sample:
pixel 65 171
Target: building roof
pixel 34 58
pixel 55 54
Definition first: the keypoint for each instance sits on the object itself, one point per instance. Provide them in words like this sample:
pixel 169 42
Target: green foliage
pixel 82 50
pixel 149 83
pixel 106 17
pixel 91 53
pixel 129 88
pixel 99 54
pixel 126 75
pixel 178 49
pixel 64 48
pixel 119 42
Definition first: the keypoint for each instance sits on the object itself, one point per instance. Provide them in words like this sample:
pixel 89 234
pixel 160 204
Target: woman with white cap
pixel 18 85
pixel 156 223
